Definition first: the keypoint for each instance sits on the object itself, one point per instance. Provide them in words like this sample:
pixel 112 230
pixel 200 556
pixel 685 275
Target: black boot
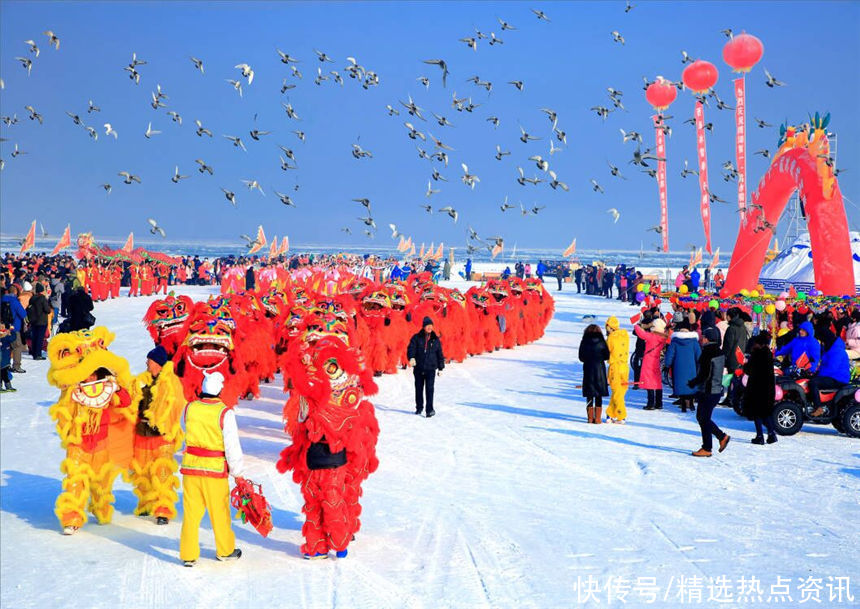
pixel 758 440
pixel 771 438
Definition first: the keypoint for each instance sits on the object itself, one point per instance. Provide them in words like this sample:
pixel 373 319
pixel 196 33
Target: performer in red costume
pixel 334 432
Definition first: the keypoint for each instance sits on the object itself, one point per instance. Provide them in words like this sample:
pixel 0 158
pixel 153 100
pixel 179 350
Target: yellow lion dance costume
pixel 618 341
pixel 95 416
pixel 157 437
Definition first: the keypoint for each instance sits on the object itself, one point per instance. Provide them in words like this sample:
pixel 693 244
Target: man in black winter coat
pixel 79 306
pixel 37 314
pixel 425 356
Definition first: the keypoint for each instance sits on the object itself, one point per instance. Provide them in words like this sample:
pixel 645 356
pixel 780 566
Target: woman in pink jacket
pixel 651 377
pixel 852 335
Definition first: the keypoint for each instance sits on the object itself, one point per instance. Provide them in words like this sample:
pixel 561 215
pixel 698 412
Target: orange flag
pixel 64 242
pixel 30 239
pixel 273 249
pixel 439 252
pixel 285 245
pixel 412 251
pixel 696 258
pixel 420 255
pixel 261 241
pixel 129 243
pixel 803 361
pixel 739 356
pixel 401 244
pixel 715 260
pixel 571 249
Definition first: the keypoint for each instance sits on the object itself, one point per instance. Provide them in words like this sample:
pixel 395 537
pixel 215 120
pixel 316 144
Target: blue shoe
pixel 341 553
pixel 317 556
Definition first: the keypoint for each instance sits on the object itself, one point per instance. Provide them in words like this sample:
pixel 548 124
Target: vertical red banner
pixel 705 201
pixel 660 139
pixel 741 143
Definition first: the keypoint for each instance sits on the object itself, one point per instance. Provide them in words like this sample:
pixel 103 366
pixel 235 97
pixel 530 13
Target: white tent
pixel 793 266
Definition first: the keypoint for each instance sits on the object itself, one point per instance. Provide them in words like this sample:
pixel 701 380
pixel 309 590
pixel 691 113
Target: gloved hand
pixel 412 362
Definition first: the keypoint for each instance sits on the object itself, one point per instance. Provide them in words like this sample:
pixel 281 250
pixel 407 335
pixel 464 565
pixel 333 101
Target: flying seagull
pixel 442 66
pixel 155 228
pixel 772 82
pixel 614 213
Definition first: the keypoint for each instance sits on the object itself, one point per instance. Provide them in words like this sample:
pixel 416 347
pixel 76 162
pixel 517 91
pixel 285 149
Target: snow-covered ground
pixel 505 499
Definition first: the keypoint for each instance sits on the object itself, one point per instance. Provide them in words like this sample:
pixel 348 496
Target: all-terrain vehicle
pixel 841 406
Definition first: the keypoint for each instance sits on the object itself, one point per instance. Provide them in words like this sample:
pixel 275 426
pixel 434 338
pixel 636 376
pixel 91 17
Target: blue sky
pixel 565 65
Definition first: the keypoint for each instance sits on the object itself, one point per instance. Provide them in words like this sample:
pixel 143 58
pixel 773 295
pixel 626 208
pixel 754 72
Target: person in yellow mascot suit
pixel 157 436
pixel 95 416
pixel 618 341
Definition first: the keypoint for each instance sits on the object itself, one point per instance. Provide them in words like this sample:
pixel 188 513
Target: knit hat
pixel 427 322
pixel 712 335
pixel 678 317
pixel 612 323
pixel 158 355
pixel 658 325
pixel 39 288
pixel 28 287
pixel 213 383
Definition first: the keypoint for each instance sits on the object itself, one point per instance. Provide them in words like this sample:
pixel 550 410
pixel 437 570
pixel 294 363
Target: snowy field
pixel 505 499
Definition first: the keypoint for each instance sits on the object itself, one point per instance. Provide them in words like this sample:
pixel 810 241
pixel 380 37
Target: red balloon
pixel 700 76
pixel 743 52
pixel 660 94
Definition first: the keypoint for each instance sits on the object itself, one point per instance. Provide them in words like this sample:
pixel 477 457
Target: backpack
pixel 6 315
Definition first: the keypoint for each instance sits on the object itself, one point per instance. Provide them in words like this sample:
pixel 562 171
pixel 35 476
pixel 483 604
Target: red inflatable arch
pixel 796 169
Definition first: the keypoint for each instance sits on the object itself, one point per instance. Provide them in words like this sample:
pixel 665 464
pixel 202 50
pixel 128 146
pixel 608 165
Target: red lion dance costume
pixel 329 420
pixel 165 319
pixel 209 346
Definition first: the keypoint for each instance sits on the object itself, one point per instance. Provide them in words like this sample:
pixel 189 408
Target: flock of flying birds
pixel 430 148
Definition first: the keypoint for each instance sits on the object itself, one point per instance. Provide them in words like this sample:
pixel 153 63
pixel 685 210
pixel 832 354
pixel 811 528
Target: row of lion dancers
pixel 327 340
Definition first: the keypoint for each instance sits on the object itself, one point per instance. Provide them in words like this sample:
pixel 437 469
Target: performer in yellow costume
pixel 618 341
pixel 212 452
pixel 95 416
pixel 157 437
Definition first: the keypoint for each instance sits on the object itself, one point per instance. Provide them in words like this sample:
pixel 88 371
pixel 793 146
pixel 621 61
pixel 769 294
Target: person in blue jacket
pixel 835 368
pixel 804 342
pixel 682 358
pixel 7 338
pixel 694 279
pixel 18 315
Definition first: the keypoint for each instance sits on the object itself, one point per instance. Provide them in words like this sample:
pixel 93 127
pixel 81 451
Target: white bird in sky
pixel 176 177
pixel 430 191
pixel 252 184
pixel 237 84
pixel 247 72
pixel 197 63
pixel 33 48
pixel 150 131
pixel 451 212
pixel 201 129
pixel 128 178
pixel 614 213
pixel 469 179
pixel 52 39
pixel 237 142
pixel 394 233
pixel 155 227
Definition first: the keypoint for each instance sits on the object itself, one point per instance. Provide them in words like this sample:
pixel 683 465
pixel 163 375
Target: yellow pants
pixel 201 494
pixel 618 375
